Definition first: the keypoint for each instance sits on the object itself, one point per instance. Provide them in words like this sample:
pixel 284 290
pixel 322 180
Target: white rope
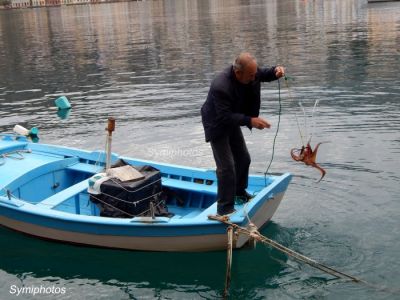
pixel 142 213
pixel 129 202
pixel 138 189
pixel 9 155
pixel 108 204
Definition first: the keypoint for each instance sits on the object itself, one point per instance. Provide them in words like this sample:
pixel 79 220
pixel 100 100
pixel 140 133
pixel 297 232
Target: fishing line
pixel 297 121
pixel 302 136
pixel 295 113
pixel 276 133
pixel 313 120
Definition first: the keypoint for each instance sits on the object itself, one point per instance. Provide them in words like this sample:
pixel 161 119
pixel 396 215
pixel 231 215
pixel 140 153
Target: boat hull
pixel 169 243
pixel 187 243
pixel 45 195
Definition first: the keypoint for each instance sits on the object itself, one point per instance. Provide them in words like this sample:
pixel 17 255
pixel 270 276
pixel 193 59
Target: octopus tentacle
pixel 323 172
pixel 308 157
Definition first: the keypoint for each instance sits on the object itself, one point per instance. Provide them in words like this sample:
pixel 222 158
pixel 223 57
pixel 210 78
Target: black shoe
pixel 226 214
pixel 243 198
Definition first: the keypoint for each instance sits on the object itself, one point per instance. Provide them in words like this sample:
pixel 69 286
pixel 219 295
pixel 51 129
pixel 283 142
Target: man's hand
pixel 279 71
pixel 259 123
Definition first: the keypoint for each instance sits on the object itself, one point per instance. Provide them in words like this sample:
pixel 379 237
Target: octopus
pixel 308 157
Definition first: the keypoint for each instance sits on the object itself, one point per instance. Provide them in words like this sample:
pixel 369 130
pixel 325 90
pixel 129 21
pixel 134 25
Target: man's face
pixel 248 74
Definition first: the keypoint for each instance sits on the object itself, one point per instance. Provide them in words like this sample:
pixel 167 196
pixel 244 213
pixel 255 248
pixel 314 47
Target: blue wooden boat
pixel 44 193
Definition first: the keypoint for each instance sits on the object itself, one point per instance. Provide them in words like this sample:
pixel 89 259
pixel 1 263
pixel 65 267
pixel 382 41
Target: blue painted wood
pixel 56 177
pixel 93 156
pixel 190 186
pixel 41 170
pixel 87 168
pixel 64 195
pixel 8 147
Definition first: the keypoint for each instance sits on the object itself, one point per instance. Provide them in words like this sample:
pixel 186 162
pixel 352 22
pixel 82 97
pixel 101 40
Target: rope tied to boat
pixel 11 154
pixel 254 234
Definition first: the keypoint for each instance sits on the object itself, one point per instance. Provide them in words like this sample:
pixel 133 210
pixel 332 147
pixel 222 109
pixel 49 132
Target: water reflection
pixel 63 114
pixel 109 51
pixel 128 272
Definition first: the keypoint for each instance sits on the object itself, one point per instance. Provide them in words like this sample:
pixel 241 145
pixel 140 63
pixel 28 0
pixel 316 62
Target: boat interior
pixel 58 179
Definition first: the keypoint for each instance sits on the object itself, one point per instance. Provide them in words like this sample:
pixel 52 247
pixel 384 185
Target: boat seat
pixel 88 168
pixel 66 194
pixel 189 186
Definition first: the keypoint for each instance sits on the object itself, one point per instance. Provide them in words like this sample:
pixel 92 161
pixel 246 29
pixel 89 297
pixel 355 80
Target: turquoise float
pixel 62 103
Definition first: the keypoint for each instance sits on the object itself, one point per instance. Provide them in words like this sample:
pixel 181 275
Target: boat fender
pixel 33 132
pixel 21 130
pixel 95 182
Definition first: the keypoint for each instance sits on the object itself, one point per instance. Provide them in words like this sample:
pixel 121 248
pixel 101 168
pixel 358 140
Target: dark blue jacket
pixel 230 103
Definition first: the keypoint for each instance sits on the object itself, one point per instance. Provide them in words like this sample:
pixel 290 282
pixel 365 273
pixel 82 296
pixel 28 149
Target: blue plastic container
pixel 62 103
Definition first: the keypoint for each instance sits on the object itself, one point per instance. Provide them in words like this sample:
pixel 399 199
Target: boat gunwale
pixel 200 219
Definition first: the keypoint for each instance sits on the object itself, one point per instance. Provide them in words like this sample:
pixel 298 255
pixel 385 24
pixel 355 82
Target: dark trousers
pixel 233 161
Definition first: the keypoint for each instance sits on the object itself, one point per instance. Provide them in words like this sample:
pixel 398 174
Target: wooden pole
pixel 228 261
pixel 110 128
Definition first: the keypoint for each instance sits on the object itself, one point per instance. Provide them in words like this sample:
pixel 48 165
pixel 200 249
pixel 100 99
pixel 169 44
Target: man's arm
pixel 270 74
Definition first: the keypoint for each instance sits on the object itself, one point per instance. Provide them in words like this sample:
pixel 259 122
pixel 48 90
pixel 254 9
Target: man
pixel 233 101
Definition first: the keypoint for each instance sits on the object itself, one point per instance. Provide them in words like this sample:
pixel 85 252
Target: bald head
pixel 245 67
pixel 242 60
